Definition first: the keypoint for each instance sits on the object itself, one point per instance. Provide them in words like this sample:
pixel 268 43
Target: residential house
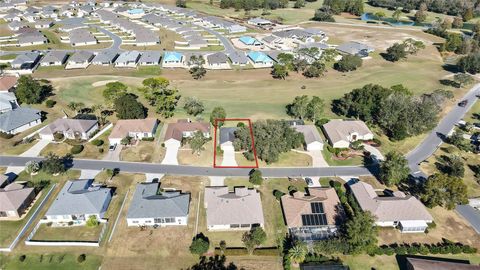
pixel 435 263
pixel 15 199
pixel 260 59
pixel 27 60
pixel 172 60
pixel 30 38
pixel 135 128
pixel 218 60
pixel 78 200
pixel 105 58
pixel 20 119
pixel 80 59
pixel 341 133
pixel 146 37
pixel 355 48
pixel 237 210
pixel 8 101
pixel 70 129
pixel 43 24
pixel 151 206
pixel 227 137
pixel 312 215
pixel 128 59
pixel 313 141
pixel 54 58
pixel 8 83
pixel 17 25
pixel 238 58
pixel 259 22
pixel 250 41
pixel 150 58
pixel 81 37
pixel 400 210
pixel 184 129
pixel 12 17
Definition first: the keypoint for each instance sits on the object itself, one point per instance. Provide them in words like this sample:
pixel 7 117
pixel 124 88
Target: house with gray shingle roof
pixel 8 101
pixel 82 37
pixel 238 58
pixel 70 129
pixel 15 199
pixel 20 119
pixel 43 24
pixel 355 48
pixel 105 58
pixel 17 25
pixel 341 133
pixel 218 60
pixel 26 60
pixel 80 59
pixel 31 38
pixel 128 59
pixel 150 58
pixel 78 200
pixel 227 136
pixel 54 58
pixel 153 207
pixel 313 141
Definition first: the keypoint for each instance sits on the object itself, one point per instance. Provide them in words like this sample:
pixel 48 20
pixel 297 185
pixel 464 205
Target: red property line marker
pixel 215 144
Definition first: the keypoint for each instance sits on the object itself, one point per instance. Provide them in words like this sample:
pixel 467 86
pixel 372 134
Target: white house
pixel 151 207
pixel 313 141
pixel 341 133
pixel 134 128
pixel 70 128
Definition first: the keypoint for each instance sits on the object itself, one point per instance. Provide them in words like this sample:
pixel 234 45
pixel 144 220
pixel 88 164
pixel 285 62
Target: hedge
pixel 446 247
pixel 5 135
pixel 241 251
pixel 76 149
pixel 97 142
pixel 148 139
pixel 50 103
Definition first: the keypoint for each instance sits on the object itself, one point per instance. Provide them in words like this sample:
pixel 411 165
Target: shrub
pixel 97 142
pixel 22 257
pixel 49 224
pixel 50 103
pixel 401 250
pixel 249 156
pixel 278 194
pixel 57 136
pixel 81 258
pixel 4 135
pixel 76 149
pixel 70 223
pixel 268 251
pixel 321 122
pixel 232 252
pixel 424 250
pixel 199 245
pixel 148 139
pixel 100 150
pixel 377 141
pixel 92 221
pixel 292 189
pixel 240 124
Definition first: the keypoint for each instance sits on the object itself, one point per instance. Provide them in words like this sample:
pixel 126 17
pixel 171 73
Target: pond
pixel 390 21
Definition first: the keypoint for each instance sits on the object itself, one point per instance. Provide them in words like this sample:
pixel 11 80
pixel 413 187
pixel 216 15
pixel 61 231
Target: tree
pixel 421 14
pixel 348 63
pixel 452 165
pixel 32 167
pixel 223 246
pixel 126 140
pixel 200 245
pixel 315 70
pixel 30 91
pixel 279 71
pixel 463 79
pixel 412 46
pixel 254 238
pixel 444 190
pixel 395 52
pixel 396 14
pixel 54 164
pixel 298 252
pixel 127 107
pixel 467 15
pixel 160 95
pixel 197 70
pixel 394 169
pixel 361 233
pixel 298 108
pixel 76 106
pixel 323 15
pixel 255 177
pixel 299 4
pixel 470 63
pixel 113 90
pixel 457 22
pixel 213 263
pixel 380 15
pixel 197 141
pixel 181 3
pixel 217 113
pixel 287 60
pixel 315 109
pixel 193 106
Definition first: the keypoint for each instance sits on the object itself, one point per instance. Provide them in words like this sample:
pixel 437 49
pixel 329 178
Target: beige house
pixel 397 210
pixel 15 199
pixel 70 128
pixel 237 210
pixel 134 128
pixel 184 129
pixel 313 141
pixel 341 133
pixel 313 215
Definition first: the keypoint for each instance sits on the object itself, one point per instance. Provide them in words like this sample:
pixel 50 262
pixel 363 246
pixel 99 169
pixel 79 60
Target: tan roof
pixel 65 124
pixel 7 82
pixel 175 130
pixel 123 127
pixel 395 208
pixel 300 203
pixel 13 196
pixel 435 264
pixel 310 133
pixel 240 207
pixel 339 130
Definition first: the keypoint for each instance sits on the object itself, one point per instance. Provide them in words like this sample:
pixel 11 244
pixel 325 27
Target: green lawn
pixel 55 261
pixel 329 158
pixel 8 57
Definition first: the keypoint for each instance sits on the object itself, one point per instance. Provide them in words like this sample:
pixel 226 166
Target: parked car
pixel 112 147
pixel 309 181
pixel 463 103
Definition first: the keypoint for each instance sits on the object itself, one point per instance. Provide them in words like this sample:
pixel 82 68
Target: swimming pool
pixel 136 11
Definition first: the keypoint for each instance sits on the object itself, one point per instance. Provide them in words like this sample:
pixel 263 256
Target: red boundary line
pixel 215 144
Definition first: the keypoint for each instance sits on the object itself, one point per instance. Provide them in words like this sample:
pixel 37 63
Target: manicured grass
pixel 53 261
pixel 140 152
pixel 469 117
pixel 71 233
pixel 8 57
pixel 353 161
pixel 288 159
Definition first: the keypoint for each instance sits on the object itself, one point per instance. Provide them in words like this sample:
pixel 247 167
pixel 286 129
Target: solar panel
pixel 317 207
pixel 314 219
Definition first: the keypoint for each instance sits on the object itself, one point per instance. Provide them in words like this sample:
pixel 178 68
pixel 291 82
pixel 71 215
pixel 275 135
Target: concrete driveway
pixel 88 174
pixel 171 154
pixel 114 155
pixel 217 181
pixel 229 156
pixel 317 158
pixel 374 152
pixel 35 150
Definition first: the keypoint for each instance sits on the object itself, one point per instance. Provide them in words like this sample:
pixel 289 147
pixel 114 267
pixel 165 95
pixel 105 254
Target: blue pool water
pixel 136 11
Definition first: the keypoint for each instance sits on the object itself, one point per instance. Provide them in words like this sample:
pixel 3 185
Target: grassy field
pixel 73 233
pixel 52 261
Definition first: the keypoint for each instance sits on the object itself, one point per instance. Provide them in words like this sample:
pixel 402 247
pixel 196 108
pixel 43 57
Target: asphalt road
pixel 137 167
pixel 471 215
pixel 431 143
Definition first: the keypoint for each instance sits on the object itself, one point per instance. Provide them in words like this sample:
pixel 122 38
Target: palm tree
pixel 298 252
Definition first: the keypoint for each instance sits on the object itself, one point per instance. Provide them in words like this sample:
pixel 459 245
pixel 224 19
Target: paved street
pixel 471 215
